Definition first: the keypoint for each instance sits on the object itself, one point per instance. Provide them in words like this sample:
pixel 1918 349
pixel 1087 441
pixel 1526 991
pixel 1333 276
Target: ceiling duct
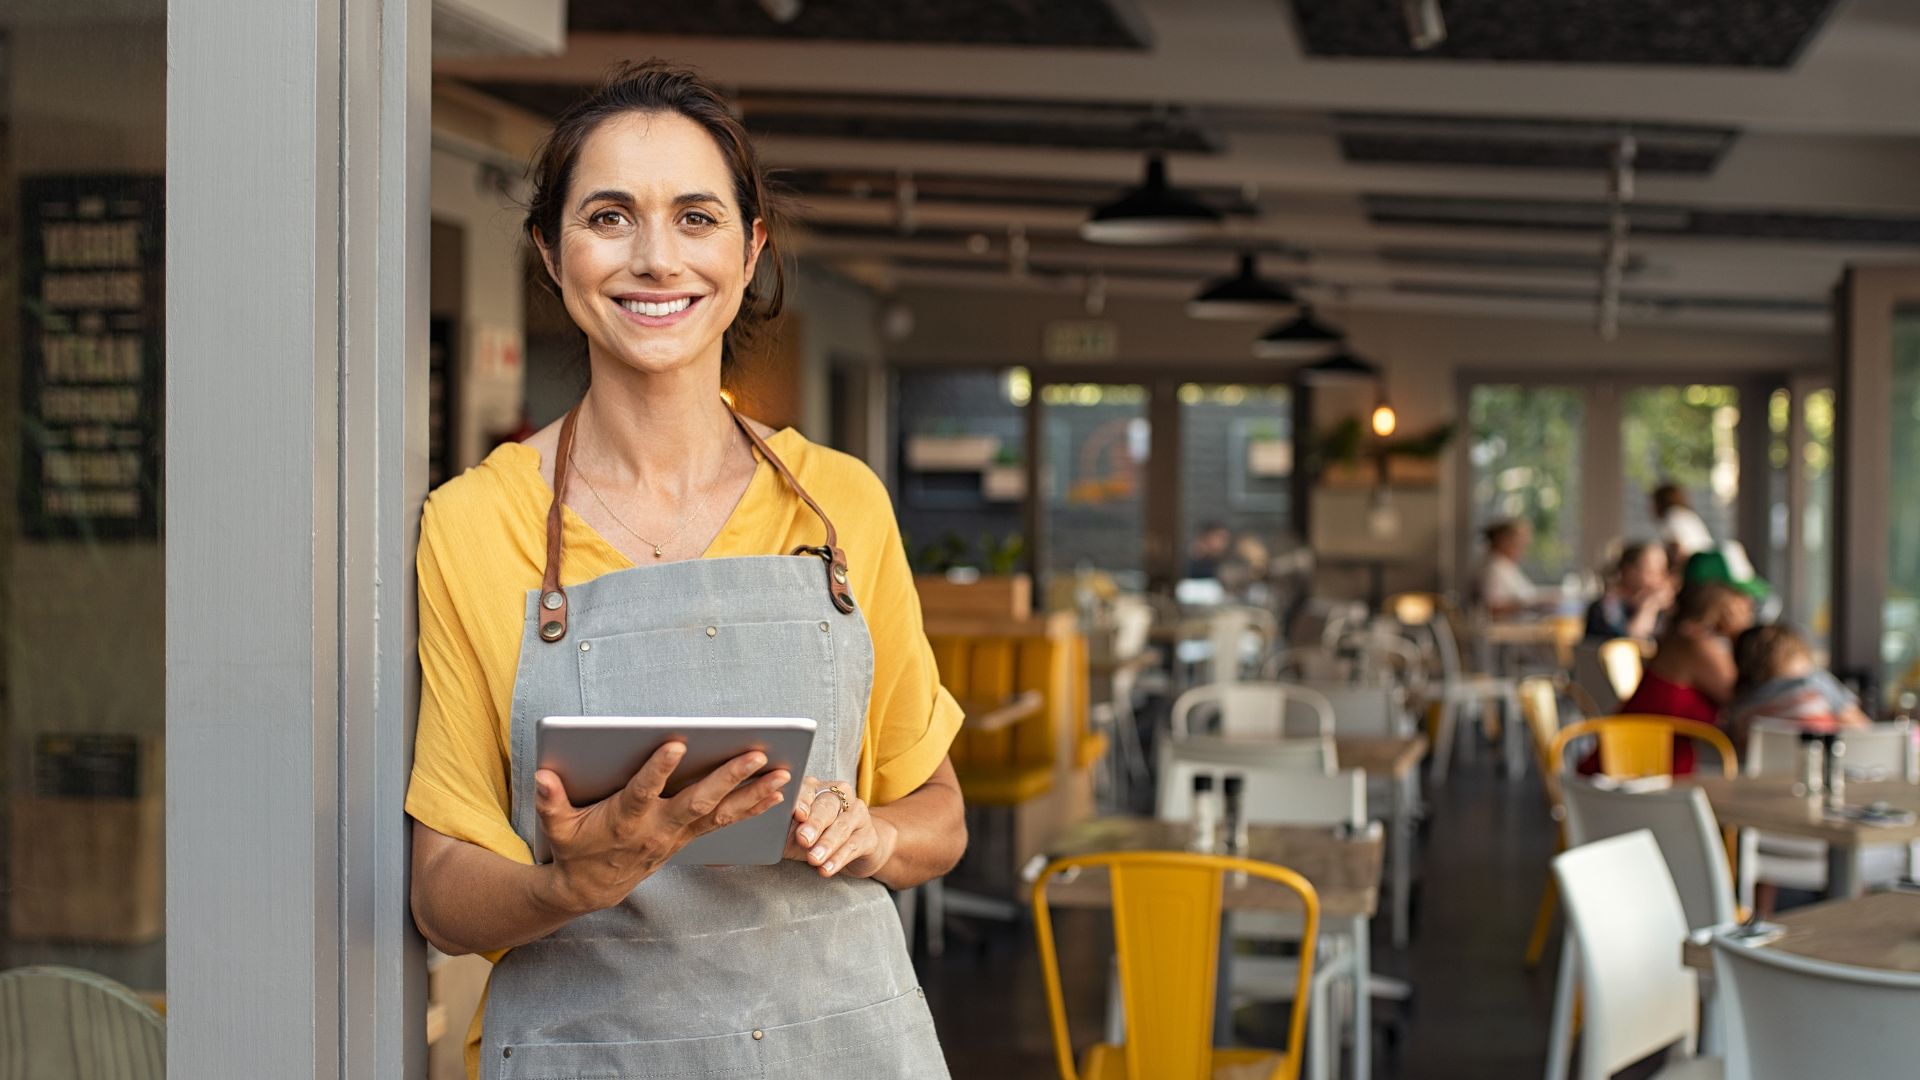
pixel 471 29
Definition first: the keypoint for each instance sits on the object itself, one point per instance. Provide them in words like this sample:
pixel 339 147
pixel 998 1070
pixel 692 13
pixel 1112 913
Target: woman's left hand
pixel 836 833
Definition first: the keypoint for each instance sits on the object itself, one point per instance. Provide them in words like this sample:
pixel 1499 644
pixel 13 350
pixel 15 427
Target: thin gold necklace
pixel 659 549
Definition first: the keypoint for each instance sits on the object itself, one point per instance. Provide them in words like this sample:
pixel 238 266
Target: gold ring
pixel 846 804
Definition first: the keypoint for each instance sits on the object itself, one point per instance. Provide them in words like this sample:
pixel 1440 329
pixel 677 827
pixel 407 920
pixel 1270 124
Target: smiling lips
pixel 657 313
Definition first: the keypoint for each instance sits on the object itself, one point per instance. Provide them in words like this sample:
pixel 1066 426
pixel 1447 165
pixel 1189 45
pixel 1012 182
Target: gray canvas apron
pixel 742 972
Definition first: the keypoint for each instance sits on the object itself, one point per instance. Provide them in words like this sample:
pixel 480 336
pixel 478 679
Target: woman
pixel 1501 588
pixel 1682 528
pixel 656 553
pixel 1692 674
pixel 1641 592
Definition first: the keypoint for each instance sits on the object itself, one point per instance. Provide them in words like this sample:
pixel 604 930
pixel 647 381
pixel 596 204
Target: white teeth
pixel 641 307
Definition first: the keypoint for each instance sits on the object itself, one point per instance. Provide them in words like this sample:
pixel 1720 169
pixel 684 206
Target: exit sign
pixel 1080 339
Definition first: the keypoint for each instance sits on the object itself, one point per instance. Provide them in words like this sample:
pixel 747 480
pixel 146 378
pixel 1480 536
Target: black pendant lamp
pixel 1244 295
pixel 1153 213
pixel 1305 338
pixel 1341 368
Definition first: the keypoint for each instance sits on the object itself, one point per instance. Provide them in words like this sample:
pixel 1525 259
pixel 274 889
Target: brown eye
pixel 607 218
pixel 700 219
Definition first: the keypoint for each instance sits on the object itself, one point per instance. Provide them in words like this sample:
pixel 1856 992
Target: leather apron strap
pixel 553 597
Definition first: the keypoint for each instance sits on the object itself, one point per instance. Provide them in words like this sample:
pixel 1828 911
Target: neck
pixel 666 432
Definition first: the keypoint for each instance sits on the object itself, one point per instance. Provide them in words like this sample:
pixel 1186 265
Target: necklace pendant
pixel 656 553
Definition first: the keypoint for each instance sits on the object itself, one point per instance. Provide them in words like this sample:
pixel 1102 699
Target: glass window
pixel 962 468
pixel 1816 523
pixel 82 258
pixel 1900 643
pixel 1525 457
pixel 1095 460
pixel 1683 435
pixel 1236 461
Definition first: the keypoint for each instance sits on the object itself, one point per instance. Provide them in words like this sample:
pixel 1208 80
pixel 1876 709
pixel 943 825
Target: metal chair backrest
pixel 1228 631
pixel 74 1023
pixel 1132 626
pixel 1682 823
pixel 1791 1017
pixel 1773 749
pixel 1256 709
pixel 1627 924
pixel 1540 708
pixel 1640 744
pixel 1366 710
pixel 1166 934
pixel 1277 792
pixel 1590 675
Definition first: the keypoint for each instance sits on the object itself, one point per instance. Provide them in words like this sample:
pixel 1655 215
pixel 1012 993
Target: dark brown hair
pixel 1761 652
pixel 1668 496
pixel 656 86
pixel 1701 601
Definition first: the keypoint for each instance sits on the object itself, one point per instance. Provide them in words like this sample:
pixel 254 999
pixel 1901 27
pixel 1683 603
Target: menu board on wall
pixel 92 263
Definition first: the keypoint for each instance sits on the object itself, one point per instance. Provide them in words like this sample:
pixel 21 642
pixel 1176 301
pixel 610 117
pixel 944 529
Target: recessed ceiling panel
pixel 1697 33
pixel 1058 24
pixel 1654 218
pixel 1527 143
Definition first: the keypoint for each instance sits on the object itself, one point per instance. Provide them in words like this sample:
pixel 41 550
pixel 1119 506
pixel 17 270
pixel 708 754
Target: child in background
pixel 1778 680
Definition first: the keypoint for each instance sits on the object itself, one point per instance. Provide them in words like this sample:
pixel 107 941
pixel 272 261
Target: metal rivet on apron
pixel 552 631
pixel 840 574
pixel 758 1035
pixel 825 626
pixel 508 1052
pixel 552 601
pixel 712 630
pixel 586 646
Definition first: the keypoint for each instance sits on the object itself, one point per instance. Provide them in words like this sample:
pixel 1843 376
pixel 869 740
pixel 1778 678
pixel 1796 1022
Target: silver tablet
pixel 595 756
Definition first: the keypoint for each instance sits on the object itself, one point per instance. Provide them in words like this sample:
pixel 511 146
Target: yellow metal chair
pixel 1640 744
pixel 1622 659
pixel 1166 928
pixel 1540 706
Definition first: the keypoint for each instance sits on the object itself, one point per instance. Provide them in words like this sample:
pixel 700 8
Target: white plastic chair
pixel 1791 1017
pixel 1279 796
pixel 1682 823
pixel 1423 617
pixel 78 1024
pixel 1625 927
pixel 1773 749
pixel 1256 710
pixel 1366 710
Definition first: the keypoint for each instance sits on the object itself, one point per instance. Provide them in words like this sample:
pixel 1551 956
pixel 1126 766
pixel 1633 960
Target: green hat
pixel 1722 567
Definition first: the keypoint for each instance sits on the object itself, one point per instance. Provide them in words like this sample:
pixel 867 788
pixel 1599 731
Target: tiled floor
pixel 1476 1012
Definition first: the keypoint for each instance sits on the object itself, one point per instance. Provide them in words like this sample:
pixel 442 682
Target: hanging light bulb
pixel 1384 420
pixel 1243 295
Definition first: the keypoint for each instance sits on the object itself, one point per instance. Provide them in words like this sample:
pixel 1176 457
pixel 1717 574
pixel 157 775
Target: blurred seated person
pixel 1682 528
pixel 1691 674
pixel 1779 680
pixel 1500 587
pixel 1727 564
pixel 1208 547
pixel 1243 569
pixel 1638 596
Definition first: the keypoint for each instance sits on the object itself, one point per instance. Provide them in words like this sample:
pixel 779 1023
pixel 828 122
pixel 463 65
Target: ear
pixel 756 242
pixel 547 257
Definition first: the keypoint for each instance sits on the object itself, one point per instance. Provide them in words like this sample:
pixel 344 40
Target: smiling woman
pixel 700 531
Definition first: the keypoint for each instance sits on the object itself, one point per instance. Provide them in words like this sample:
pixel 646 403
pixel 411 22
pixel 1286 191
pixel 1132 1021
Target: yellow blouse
pixel 483 545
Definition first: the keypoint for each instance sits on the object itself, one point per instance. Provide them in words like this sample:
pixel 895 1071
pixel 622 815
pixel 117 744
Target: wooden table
pixel 1881 930
pixel 1768 803
pixel 1398 761
pixel 998 714
pixel 1344 872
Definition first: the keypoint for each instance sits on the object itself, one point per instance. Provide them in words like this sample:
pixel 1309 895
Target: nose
pixel 655 252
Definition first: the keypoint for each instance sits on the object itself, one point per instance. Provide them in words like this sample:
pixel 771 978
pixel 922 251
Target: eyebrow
pixel 618 196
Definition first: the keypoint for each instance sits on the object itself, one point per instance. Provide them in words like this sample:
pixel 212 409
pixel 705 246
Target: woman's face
pixel 652 258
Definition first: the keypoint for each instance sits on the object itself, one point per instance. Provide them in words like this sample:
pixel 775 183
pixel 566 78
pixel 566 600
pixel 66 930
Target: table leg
pixel 1843 871
pixel 1362 999
pixel 1402 856
pixel 1560 1032
pixel 1513 736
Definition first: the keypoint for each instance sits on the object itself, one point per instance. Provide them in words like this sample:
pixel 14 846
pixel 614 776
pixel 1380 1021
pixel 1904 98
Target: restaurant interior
pixel 1414 499
pixel 1203 347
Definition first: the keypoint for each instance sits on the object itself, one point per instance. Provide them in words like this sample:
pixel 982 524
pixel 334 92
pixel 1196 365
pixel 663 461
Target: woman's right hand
pixel 600 852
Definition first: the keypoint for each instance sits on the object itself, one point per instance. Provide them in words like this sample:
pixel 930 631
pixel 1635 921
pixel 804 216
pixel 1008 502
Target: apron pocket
pixel 781 668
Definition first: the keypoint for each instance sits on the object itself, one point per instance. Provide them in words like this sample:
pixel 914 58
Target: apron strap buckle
pixel 836 563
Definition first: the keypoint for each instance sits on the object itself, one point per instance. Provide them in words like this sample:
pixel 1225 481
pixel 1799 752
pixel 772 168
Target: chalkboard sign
pixel 92 265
